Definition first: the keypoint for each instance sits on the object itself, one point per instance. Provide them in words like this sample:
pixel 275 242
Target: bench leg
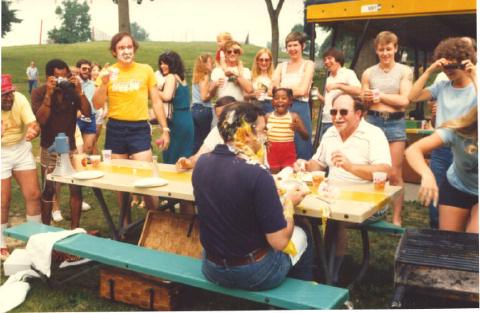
pixel 320 248
pixel 366 257
pixel 106 213
pixel 398 295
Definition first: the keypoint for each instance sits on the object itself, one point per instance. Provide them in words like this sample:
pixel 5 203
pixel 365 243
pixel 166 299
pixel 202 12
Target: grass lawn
pixel 374 292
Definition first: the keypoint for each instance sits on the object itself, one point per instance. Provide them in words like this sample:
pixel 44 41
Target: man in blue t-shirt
pixel 455 97
pixel 243 225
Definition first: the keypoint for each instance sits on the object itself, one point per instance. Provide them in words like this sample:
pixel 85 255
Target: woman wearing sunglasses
pixel 385 89
pixel 235 80
pixel 297 74
pixel 262 72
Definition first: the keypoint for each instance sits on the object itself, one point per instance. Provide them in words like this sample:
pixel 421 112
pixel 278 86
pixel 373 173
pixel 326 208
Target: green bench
pixel 383 226
pixel 291 294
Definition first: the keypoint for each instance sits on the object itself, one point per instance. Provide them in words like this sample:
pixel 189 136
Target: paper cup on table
pixel 95 160
pixel 107 156
pixel 379 180
pixel 317 178
pixel 79 161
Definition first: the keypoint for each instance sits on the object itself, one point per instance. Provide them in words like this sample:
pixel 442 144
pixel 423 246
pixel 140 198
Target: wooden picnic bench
pixel 291 294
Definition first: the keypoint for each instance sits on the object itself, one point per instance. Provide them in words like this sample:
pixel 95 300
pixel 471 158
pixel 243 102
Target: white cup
pixel 107 156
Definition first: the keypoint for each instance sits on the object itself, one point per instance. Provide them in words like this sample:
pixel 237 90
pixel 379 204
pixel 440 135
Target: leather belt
pixel 387 115
pixel 252 257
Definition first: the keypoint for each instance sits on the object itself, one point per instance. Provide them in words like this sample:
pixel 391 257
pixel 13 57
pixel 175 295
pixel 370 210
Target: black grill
pixel 440 249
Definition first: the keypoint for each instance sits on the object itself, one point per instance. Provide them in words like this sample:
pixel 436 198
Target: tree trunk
pixel 123 16
pixel 274 13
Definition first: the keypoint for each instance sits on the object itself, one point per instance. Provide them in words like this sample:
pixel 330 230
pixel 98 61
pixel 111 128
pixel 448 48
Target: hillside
pixel 16 59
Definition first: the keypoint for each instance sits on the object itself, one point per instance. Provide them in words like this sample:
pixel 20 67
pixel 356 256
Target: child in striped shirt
pixel 281 127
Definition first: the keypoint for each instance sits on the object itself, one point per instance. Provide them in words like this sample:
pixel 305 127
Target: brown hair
pixel 386 37
pixel 455 48
pixel 255 69
pixel 296 36
pixel 116 39
pixel 200 69
pixel 336 54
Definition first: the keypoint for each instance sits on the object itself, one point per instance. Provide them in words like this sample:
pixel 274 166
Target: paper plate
pixel 87 174
pixel 150 182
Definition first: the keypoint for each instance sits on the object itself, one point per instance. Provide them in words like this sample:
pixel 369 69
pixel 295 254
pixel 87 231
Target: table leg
pixel 106 213
pixel 332 230
pixel 366 257
pixel 320 248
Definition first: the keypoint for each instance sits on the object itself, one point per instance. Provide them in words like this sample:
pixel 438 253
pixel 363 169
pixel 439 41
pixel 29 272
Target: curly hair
pixel 455 48
pixel 200 68
pixel 174 62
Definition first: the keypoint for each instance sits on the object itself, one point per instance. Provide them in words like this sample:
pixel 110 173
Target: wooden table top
pixel 356 202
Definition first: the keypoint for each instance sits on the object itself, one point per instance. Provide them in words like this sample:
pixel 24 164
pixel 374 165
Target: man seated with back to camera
pixel 243 225
pixel 351 150
pixel 55 105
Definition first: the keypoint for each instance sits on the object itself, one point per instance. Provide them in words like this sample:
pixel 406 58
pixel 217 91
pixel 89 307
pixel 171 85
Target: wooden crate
pixel 163 231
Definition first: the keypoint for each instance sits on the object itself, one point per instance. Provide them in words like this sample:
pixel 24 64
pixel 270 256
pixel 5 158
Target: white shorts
pixel 17 157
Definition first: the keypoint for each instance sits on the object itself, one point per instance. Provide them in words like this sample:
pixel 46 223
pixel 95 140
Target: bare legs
pixel 397 150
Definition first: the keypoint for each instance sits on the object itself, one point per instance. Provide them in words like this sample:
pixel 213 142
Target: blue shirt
pixel 463 172
pixel 88 88
pixel 237 204
pixel 452 102
pixel 196 97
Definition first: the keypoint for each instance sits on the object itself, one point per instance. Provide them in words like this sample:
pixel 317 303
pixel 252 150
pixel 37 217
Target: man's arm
pixel 42 105
pixel 157 106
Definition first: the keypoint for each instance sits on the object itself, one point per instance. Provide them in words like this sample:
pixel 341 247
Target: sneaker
pixel 85 206
pixel 57 216
pixel 4 254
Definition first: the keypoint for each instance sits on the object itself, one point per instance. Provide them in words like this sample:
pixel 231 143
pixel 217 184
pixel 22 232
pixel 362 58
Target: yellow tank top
pixel 278 128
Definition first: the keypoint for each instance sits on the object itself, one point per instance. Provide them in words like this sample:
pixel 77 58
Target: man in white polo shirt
pixel 340 80
pixel 352 151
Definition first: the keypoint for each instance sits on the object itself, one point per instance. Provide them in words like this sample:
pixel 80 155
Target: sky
pixel 164 20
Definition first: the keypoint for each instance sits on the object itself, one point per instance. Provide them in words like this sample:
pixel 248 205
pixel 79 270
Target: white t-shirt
pixel 367 145
pixel 213 139
pixel 344 76
pixel 230 88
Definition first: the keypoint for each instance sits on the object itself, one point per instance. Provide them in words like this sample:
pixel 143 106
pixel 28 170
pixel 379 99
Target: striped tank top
pixel 278 128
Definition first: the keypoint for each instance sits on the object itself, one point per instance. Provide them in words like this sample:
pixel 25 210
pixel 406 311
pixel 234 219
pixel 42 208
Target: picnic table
pixel 355 204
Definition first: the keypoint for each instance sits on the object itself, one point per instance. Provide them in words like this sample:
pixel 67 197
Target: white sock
pixel 34 218
pixel 3 244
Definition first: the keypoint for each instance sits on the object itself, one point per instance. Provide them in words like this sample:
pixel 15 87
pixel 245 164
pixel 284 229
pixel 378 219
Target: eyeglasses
pixel 343 112
pixel 263 60
pixel 85 68
pixel 236 51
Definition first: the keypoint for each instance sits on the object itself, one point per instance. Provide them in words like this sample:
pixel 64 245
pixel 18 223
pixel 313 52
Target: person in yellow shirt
pixel 19 127
pixel 126 85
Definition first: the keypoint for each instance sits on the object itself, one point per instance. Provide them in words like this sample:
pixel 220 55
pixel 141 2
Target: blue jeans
pixel 304 147
pixel 267 273
pixel 31 85
pixel 394 129
pixel 202 121
pixel 324 128
pixel 440 161
pixel 267 106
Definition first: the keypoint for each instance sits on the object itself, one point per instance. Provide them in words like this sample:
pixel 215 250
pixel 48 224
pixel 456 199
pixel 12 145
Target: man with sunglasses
pixel 87 125
pixel 235 80
pixel 352 151
pixel 456 58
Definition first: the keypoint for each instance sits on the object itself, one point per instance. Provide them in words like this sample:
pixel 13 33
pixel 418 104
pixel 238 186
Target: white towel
pixel 14 291
pixel 39 248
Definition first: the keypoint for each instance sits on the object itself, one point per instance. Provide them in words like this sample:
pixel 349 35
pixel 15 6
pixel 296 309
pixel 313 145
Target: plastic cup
pixel 107 156
pixel 379 180
pixel 317 178
pixel 376 95
pixel 79 161
pixel 95 160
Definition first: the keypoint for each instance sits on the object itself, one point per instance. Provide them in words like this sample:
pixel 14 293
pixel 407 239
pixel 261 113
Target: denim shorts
pixel 87 127
pixel 125 137
pixel 394 129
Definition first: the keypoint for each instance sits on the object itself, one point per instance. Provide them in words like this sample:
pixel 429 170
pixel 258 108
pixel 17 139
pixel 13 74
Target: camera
pixel 64 83
pixel 454 66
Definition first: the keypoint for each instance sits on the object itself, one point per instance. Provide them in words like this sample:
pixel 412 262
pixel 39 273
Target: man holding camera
pixel 55 105
pixel 455 97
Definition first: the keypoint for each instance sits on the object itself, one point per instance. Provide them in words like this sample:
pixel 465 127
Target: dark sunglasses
pixel 343 112
pixel 264 60
pixel 236 51
pixel 85 68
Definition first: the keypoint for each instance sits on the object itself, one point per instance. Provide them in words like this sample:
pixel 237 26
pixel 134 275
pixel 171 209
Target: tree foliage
pixel 75 23
pixel 138 32
pixel 8 17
